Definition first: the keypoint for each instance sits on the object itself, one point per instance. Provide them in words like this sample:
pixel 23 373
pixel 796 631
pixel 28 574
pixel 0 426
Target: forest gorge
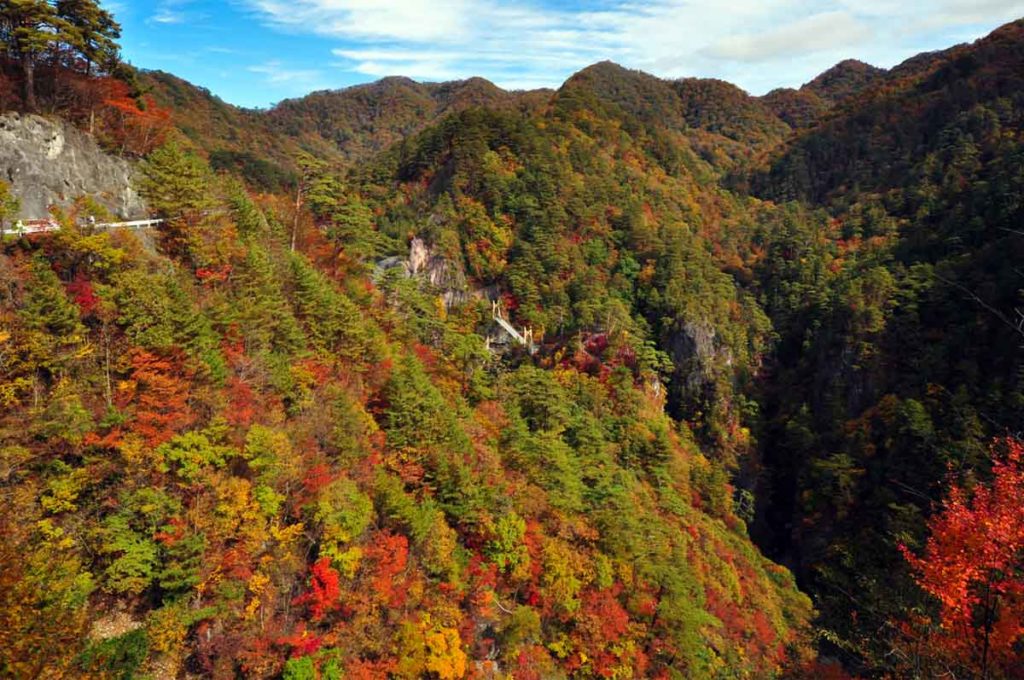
pixel 770 428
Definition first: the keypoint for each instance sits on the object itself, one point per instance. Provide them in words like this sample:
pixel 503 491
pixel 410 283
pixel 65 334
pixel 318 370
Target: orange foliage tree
pixel 132 123
pixel 390 552
pixel 973 565
pixel 159 389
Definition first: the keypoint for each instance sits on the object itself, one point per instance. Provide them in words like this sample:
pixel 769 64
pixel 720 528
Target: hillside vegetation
pixel 768 431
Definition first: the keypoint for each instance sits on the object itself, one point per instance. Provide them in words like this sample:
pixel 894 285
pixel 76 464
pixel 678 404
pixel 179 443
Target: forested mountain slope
pixel 366 119
pixel 353 124
pixel 234 138
pixel 722 120
pixel 224 457
pixel 844 80
pixel 230 458
pixel 339 126
pixel 868 342
pixel 838 86
pixel 900 348
pixel 805 107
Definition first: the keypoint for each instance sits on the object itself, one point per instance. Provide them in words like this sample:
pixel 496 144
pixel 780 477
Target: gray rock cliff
pixel 48 162
pixel 443 274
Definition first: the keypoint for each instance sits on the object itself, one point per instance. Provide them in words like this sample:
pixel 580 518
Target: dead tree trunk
pixel 28 84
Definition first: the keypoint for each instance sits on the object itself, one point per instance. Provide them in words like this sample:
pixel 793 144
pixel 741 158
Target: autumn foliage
pixel 255 444
pixel 158 391
pixel 129 122
pixel 323 594
pixel 973 565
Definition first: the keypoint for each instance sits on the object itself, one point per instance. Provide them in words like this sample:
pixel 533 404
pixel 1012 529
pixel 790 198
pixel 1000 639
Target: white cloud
pixel 294 80
pixel 948 12
pixel 411 20
pixel 816 33
pixel 759 44
pixel 170 12
pixel 166 16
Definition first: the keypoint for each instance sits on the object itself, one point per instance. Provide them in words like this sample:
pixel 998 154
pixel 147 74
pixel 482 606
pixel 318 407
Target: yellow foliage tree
pixel 425 647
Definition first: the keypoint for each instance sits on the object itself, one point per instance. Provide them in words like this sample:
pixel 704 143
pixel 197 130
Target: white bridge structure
pixel 44 226
pixel 525 338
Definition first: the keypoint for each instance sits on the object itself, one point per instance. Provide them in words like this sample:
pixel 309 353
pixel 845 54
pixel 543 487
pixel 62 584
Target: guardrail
pixel 44 226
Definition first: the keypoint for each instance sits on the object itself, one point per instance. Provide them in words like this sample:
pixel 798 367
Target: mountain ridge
pixel 352 123
pixel 339 123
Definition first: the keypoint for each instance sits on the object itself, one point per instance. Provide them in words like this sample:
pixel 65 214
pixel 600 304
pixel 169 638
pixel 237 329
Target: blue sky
pixel 257 52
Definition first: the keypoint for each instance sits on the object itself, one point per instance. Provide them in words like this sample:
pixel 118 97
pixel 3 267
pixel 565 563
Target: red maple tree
pixel 324 591
pixel 973 565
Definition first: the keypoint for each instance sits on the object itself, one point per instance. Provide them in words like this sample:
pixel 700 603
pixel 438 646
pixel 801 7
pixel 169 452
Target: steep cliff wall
pixel 447 276
pixel 49 162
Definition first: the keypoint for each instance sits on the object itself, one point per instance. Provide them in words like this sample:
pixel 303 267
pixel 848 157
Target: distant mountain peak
pixel 393 80
pixel 607 69
pixel 846 78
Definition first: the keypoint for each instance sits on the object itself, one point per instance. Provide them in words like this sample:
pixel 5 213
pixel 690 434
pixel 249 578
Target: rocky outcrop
pixel 444 275
pixel 701 360
pixel 48 162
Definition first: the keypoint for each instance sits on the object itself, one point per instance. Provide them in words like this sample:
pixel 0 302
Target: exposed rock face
pixel 48 162
pixel 444 275
pixel 698 357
